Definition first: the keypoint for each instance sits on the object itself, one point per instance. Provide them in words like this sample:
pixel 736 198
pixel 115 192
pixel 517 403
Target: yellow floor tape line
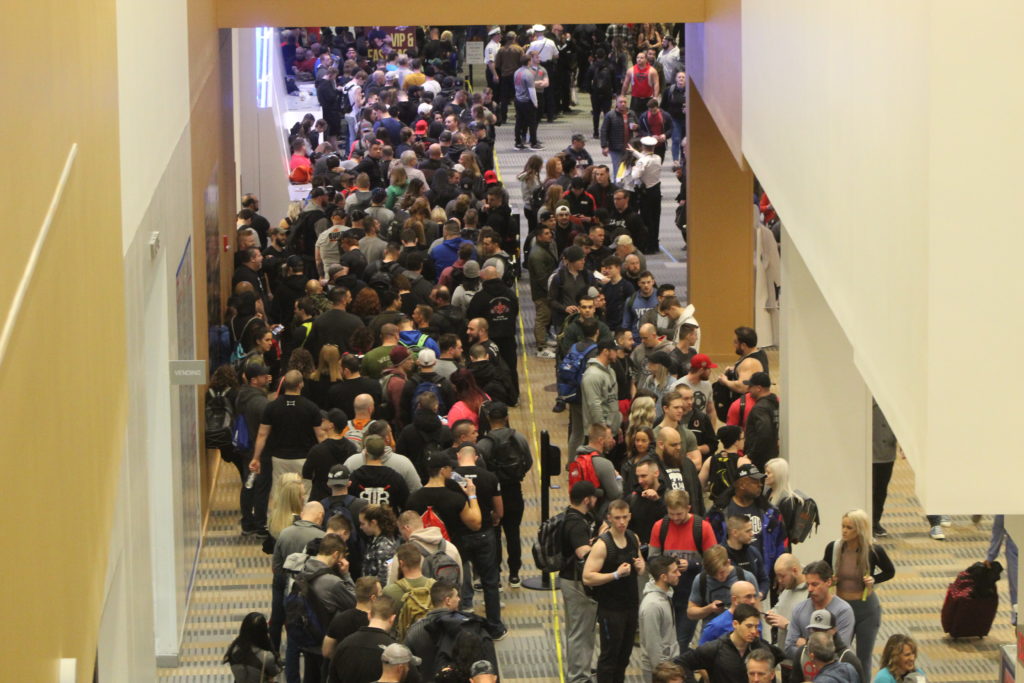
pixel 536 463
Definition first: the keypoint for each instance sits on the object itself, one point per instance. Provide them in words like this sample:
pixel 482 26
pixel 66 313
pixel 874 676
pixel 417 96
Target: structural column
pixel 720 233
pixel 826 407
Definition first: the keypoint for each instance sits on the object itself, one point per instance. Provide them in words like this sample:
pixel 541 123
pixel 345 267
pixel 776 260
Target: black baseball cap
pixel 759 379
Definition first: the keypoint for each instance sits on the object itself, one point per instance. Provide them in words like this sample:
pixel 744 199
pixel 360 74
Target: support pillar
pixel 826 407
pixel 720 233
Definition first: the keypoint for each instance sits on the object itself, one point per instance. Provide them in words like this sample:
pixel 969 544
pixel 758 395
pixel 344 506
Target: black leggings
pixel 512 519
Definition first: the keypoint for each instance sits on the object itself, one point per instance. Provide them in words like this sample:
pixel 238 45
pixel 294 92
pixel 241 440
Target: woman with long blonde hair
pixel 287 496
pixel 859 564
pixel 641 413
pixel 328 371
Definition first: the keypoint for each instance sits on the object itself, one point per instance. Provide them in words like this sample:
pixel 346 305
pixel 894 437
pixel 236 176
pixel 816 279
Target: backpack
pixel 354 435
pixel 458 276
pixel 304 615
pixel 698 535
pixel 415 604
pixel 549 550
pixel 506 458
pixel 569 374
pixel 582 469
pixel 219 416
pixel 461 638
pixel 386 410
pixel 339 507
pixel 430 518
pixel 240 437
pixel 601 84
pixel 723 472
pixel 345 101
pixel 804 518
pixel 435 389
pixel 416 346
pixel 438 564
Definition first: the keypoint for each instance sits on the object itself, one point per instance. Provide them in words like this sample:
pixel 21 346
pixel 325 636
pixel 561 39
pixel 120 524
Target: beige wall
pixel 720 235
pixel 254 13
pixel 713 64
pixel 63 375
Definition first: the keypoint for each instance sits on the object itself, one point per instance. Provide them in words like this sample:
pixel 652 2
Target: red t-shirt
pixel 733 418
pixel 680 536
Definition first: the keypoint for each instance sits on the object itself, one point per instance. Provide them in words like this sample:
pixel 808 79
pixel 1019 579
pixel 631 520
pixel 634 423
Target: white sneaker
pixel 545 353
pixel 937 533
pixel 551 343
pixel 945 521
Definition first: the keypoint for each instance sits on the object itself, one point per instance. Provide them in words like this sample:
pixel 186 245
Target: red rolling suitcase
pixel 971 602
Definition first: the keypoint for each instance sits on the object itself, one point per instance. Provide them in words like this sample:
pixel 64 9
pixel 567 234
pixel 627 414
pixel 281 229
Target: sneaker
pixel 536 145
pixel 478 587
pixel 551 343
pixel 520 145
pixel 879 531
pixel 500 635
pixel 559 407
pixel 937 533
pixel 945 521
pixel 545 353
pixel 515 582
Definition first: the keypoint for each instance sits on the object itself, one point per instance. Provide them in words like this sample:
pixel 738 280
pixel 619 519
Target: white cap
pixel 649 141
pixel 496 29
pixel 459 168
pixel 424 108
pixel 426 358
pixel 537 28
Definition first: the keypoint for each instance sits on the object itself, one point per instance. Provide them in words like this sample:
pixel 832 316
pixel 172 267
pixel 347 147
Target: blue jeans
pixel 616 157
pixel 480 548
pixel 678 133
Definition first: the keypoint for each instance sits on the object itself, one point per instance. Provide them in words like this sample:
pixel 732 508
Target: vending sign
pixel 398 38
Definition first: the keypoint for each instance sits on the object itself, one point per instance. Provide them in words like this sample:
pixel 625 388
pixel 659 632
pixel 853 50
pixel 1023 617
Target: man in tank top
pixel 641 83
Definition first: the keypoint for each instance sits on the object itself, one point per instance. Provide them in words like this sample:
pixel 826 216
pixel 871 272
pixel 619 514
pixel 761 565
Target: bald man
pixel 789 576
pixel 741 593
pixel 499 305
pixel 292 539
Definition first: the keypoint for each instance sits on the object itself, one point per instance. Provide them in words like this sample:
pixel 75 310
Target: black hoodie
pixel 761 435
pixel 497 303
pixel 425 431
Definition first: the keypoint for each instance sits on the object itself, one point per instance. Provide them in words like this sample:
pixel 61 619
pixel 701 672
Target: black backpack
pixel 601 84
pixel 803 517
pixel 219 418
pixel 304 615
pixel 549 550
pixel 506 458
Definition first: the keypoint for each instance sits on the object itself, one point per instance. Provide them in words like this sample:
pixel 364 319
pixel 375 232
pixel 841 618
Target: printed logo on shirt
pixel 675 479
pixel 755 522
pixel 376 495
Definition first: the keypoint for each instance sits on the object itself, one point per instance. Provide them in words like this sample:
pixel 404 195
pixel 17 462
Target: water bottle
pixel 250 480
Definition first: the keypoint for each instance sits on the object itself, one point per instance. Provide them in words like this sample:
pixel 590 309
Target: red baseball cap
pixel 421 127
pixel 701 361
pixel 490 177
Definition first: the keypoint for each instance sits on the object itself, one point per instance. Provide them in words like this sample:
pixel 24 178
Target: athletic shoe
pixel 515 582
pixel 945 521
pixel 500 635
pixel 545 353
pixel 478 587
pixel 551 343
pixel 520 146
pixel 937 533
pixel 559 407
pixel 536 145
pixel 879 531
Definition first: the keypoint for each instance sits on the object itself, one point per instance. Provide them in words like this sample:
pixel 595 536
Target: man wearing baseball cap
pixel 806 664
pixel 761 435
pixel 744 498
pixel 701 366
pixel 396 661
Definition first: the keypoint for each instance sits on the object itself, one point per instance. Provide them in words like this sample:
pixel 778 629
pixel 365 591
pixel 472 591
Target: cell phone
pixel 276 329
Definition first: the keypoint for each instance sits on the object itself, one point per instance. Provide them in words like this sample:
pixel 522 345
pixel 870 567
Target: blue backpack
pixel 569 374
pixel 306 618
pixel 240 434
pixel 435 389
pixel 220 345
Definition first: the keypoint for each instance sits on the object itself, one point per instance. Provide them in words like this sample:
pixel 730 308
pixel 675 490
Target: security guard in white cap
pixel 647 175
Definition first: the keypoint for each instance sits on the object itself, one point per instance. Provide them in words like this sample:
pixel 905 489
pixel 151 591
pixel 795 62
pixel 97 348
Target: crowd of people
pixel 369 360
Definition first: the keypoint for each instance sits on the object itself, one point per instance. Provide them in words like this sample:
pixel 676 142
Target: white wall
pixel 886 135
pixel 152 69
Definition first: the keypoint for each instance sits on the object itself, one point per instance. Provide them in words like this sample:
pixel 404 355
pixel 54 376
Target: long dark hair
pixel 467 389
pixel 252 633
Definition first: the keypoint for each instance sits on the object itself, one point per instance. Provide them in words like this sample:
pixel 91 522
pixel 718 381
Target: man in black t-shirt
pixel 462 518
pixel 347 622
pixel 492 508
pixel 343 394
pixel 334 450
pixel 375 482
pixel 289 428
pixel 580 609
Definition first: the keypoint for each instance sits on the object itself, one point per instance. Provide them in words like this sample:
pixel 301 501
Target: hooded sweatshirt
pixel 657 627
pixel 428 539
pixel 837 672
pixel 426 430
pixel 761 435
pixel 410 339
pixel 398 463
pixel 600 392
pixel 447 252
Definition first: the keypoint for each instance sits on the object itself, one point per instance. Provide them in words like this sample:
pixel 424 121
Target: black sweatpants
pixel 526 122
pixel 617 629
pixel 512 519
pixel 881 473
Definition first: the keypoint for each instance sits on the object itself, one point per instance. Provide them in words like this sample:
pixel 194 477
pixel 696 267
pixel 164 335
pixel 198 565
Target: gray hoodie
pixel 611 483
pixel 429 539
pixel 399 463
pixel 657 627
pixel 335 592
pixel 600 392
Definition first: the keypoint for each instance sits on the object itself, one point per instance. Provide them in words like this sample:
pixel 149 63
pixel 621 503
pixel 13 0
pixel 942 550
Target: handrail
pixel 33 257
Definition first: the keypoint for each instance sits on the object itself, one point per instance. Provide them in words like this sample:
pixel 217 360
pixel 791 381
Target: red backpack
pixel 430 518
pixel 582 469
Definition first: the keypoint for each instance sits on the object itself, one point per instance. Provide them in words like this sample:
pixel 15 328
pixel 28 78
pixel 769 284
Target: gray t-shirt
pixel 523 80
pixel 702 397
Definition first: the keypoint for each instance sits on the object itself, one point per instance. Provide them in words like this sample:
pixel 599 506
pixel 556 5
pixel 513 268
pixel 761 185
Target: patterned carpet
pixel 234 575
